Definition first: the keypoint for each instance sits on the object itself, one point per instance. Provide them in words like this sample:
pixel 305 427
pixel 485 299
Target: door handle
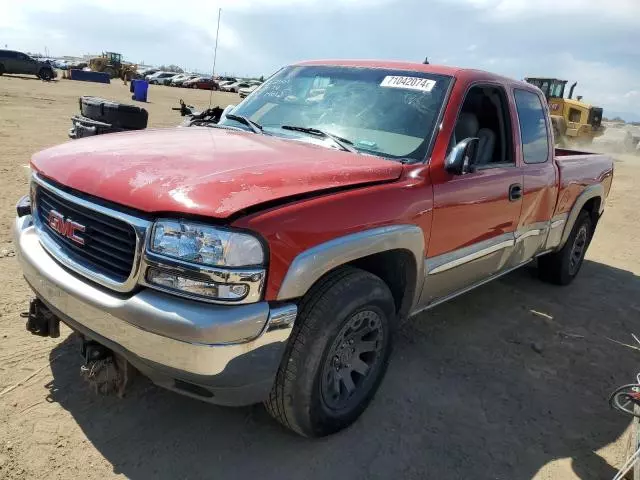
pixel 515 192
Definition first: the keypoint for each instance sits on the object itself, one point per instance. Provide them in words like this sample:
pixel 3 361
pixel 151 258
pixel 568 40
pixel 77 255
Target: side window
pixel 8 54
pixel 484 114
pixel 533 127
pixel 574 115
pixel 22 56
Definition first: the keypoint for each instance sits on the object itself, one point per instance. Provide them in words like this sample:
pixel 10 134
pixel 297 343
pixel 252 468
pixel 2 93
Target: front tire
pixel 337 354
pixel 562 267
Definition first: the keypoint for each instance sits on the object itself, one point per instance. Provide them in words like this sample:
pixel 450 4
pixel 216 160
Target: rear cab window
pixel 533 127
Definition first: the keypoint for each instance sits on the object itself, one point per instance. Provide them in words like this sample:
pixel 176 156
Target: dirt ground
pixel 508 382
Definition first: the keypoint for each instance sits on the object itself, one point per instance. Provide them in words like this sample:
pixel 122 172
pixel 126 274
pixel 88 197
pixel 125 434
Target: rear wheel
pixel 1 69
pixel 45 74
pixel 337 354
pixel 563 266
pixel 111 72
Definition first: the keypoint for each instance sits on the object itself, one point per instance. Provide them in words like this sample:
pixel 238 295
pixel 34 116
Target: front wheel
pixel 561 267
pixel 337 354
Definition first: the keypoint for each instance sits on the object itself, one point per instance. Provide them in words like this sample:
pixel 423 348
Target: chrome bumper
pixel 233 352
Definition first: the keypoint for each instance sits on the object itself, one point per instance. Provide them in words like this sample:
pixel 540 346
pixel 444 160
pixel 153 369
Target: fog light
pixel 202 288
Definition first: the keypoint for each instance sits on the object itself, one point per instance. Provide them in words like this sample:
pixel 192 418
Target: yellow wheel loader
pixel 111 63
pixel 574 121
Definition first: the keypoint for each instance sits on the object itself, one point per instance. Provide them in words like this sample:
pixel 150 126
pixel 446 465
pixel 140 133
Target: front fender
pixel 308 266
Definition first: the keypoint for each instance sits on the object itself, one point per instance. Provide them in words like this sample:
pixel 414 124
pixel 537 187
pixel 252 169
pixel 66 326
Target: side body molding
pixel 311 264
pixel 592 191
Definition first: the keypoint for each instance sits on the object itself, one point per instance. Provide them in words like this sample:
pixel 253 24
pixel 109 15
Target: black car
pixel 18 62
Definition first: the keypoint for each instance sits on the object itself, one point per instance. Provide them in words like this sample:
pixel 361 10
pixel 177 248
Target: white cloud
pixel 629 10
pixel 512 37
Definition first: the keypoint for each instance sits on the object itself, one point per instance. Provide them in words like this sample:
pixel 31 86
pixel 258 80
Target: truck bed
pixel 578 171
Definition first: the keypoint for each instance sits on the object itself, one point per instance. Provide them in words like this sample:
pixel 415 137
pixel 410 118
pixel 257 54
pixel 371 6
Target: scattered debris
pixel 621 343
pixel 570 335
pixel 537 347
pixel 540 314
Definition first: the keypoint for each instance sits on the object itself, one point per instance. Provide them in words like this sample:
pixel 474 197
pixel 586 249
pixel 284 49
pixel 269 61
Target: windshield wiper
pixel 343 143
pixel 255 127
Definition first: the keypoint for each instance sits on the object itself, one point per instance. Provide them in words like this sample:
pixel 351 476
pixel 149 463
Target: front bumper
pixel 227 355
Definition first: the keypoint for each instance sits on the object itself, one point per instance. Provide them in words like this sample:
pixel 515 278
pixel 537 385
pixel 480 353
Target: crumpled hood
pixel 204 171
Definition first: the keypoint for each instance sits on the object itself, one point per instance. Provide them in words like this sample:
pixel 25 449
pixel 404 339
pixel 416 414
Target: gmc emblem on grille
pixel 67 228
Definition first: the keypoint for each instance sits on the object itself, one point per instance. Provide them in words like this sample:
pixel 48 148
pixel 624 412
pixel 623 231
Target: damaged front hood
pixel 204 171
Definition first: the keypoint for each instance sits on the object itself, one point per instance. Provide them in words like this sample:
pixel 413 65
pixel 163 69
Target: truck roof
pixel 469 74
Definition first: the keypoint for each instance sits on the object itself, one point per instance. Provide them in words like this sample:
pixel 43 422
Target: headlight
pixel 206 245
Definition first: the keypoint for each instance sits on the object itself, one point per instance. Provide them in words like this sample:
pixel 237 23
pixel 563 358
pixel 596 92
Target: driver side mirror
pixel 462 157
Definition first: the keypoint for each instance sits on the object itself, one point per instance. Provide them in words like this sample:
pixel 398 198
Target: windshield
pixel 390 113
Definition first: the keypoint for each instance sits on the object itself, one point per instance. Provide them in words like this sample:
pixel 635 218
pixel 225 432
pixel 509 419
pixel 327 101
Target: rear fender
pixel 592 191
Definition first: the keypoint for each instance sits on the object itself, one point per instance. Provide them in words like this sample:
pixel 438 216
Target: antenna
pixel 215 54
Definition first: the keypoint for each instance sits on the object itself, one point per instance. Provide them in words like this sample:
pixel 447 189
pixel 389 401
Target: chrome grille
pixel 109 247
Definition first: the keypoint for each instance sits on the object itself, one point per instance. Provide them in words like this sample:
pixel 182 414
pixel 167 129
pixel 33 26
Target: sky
pixel 594 42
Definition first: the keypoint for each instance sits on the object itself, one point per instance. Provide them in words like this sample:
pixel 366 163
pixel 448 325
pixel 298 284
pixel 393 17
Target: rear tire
pixel 45 74
pixel 1 69
pixel 337 354
pixel 562 267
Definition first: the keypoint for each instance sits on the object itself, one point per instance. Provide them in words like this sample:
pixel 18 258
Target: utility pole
pixel 215 54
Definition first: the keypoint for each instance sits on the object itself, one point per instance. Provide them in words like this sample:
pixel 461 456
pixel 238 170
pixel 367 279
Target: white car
pixel 161 78
pixel 246 91
pixel 234 87
pixel 179 79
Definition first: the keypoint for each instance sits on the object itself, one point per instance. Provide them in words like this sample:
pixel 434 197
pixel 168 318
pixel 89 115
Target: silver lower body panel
pixel 231 351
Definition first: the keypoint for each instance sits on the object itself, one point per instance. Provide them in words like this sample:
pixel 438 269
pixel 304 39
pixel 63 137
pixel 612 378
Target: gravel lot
pixel 508 382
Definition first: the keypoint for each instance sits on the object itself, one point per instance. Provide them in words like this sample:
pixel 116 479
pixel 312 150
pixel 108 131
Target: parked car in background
pixel 246 91
pixel 235 86
pixel 226 79
pixel 59 64
pixel 161 78
pixel 12 61
pixel 203 83
pixel 156 74
pixel 178 80
pixel 147 72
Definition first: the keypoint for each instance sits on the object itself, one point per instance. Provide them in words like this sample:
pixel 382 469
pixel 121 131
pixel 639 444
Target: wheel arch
pixel 393 253
pixel 591 201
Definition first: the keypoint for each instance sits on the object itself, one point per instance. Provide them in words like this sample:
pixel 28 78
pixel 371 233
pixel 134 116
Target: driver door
pixel 476 214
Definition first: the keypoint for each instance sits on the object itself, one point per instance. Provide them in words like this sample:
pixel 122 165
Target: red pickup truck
pixel 269 258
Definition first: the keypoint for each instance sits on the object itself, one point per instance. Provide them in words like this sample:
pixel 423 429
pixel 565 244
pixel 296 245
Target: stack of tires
pixel 98 116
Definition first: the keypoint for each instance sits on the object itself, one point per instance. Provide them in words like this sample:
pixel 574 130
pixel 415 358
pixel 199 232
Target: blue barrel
pixel 140 89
